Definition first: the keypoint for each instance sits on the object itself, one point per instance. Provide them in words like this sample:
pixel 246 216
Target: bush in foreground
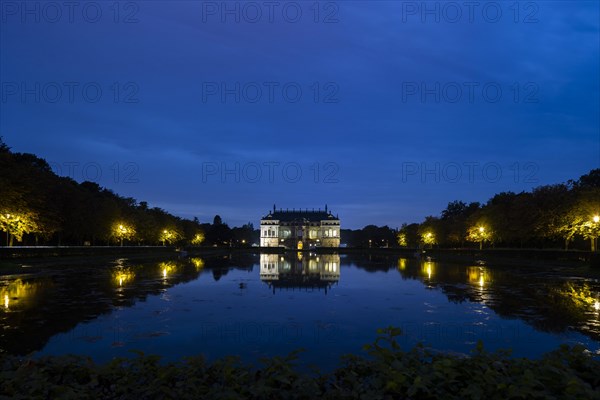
pixel 388 373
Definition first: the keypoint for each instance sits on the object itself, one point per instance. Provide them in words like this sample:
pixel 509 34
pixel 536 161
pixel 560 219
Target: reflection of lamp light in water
pixel 402 264
pixel 597 305
pixel 428 270
pixel 165 272
pixel 6 301
pixel 481 281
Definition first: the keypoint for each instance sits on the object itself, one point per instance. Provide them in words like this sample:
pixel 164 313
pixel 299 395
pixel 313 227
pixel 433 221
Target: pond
pixel 257 305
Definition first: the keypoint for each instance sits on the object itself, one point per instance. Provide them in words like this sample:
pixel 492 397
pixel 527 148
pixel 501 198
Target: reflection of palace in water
pixel 301 271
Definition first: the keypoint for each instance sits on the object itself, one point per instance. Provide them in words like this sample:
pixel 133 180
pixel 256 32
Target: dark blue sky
pixel 384 110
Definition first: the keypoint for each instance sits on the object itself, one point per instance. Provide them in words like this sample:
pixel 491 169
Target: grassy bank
pixel 386 373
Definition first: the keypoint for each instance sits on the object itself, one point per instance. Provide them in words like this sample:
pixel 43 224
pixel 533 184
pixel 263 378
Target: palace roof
pixel 300 215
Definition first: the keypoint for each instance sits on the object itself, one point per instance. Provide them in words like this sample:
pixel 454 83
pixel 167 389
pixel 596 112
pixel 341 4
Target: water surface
pixel 271 304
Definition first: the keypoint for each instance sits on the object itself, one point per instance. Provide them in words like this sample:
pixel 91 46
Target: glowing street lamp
pixel 482 235
pixel 594 238
pixel 429 239
pixel 169 235
pixel 122 231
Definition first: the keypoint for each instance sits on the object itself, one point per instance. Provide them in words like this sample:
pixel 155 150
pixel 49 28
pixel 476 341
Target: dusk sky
pixel 383 110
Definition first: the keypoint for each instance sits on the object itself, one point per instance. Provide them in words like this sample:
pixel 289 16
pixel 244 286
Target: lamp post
pixel 429 238
pixel 481 231
pixel 594 238
pixel 7 234
pixel 121 233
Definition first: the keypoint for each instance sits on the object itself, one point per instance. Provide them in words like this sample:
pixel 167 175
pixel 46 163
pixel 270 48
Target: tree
pixel 3 146
pixel 454 221
pixel 429 231
pixel 588 181
pixel 587 214
pixel 170 235
pixel 198 238
pixel 219 233
pixel 122 230
pixel 429 238
pixel 243 235
pixel 479 233
pixel 512 216
pixel 17 224
pixel 454 209
pixel 402 239
pixel 590 229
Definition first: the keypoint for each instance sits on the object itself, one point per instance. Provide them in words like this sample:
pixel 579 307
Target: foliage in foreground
pixel 389 372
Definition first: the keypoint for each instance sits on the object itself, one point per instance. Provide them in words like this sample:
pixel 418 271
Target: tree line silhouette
pixel 38 207
pixel 550 216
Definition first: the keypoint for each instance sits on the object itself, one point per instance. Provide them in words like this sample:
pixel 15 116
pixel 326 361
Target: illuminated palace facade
pixel 300 229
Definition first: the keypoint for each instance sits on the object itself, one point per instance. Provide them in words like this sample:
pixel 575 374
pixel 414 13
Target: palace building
pixel 300 229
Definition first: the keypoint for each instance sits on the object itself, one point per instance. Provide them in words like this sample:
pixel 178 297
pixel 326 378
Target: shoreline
pixel 508 257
